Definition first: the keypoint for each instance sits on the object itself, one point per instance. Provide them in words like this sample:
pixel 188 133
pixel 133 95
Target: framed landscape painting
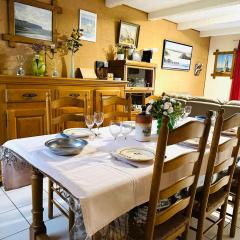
pixel 88 22
pixel 128 34
pixel 32 22
pixel 224 63
pixel 176 56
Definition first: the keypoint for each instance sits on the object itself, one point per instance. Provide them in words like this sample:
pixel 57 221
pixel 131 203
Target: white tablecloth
pixel 106 188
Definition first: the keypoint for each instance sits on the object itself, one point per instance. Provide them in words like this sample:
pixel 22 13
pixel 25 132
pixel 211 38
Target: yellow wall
pixel 152 35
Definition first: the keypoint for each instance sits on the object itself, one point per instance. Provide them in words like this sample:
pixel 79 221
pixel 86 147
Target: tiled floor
pixel 15 218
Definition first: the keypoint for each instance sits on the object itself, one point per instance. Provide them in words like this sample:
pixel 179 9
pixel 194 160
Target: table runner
pixel 106 188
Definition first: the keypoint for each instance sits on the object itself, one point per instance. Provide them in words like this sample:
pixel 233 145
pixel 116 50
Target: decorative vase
pixel 120 57
pixel 72 67
pixel 38 65
pixel 171 123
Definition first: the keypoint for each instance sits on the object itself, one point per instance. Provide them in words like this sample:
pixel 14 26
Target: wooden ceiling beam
pixel 114 3
pixel 202 5
pixel 220 32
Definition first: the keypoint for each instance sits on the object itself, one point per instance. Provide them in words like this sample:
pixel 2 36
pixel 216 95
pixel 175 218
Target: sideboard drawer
pixel 25 95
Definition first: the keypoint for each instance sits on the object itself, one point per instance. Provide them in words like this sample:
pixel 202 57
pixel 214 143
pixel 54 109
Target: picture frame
pixel 25 25
pixel 128 34
pixel 176 56
pixel 224 63
pixel 88 22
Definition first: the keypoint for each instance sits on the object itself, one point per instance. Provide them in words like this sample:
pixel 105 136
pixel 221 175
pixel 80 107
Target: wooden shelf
pixel 115 63
pixel 138 90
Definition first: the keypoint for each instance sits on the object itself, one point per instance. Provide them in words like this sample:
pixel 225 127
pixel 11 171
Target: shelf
pixel 138 90
pixel 115 63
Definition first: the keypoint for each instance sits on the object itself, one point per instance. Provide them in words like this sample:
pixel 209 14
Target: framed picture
pixel 176 56
pixel 128 34
pixel 224 63
pixel 88 22
pixel 31 21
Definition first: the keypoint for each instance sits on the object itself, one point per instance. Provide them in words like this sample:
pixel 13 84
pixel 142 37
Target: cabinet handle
pixel 29 95
pixel 74 95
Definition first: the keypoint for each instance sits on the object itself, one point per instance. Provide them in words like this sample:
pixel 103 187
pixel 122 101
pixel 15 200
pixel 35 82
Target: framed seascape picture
pixel 31 21
pixel 128 34
pixel 176 56
pixel 88 22
pixel 224 63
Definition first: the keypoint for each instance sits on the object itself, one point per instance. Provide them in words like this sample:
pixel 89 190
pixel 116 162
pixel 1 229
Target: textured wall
pixel 152 35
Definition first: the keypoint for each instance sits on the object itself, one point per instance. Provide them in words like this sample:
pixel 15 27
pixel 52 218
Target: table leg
pixel 37 227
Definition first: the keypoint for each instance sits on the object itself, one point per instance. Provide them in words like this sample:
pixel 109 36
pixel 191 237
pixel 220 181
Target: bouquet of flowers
pixel 164 105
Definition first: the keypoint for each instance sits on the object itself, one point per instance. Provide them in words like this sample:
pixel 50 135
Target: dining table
pixel 99 188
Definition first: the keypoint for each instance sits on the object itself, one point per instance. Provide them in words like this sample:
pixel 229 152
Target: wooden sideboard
pixel 22 103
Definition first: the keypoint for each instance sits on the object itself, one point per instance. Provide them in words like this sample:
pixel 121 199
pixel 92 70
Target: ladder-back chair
pixel 221 163
pixel 174 220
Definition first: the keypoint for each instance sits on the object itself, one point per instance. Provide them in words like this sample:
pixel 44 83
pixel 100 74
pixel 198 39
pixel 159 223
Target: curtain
pixel 235 89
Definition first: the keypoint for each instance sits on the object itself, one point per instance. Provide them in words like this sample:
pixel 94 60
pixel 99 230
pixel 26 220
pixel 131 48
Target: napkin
pixel 135 164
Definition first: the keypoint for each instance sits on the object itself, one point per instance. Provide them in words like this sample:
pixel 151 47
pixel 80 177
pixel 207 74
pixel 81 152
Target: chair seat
pixel 215 200
pixel 137 224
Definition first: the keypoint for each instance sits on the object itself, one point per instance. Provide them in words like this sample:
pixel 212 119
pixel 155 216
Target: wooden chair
pixel 174 220
pixel 221 162
pixel 116 108
pixel 235 188
pixel 59 112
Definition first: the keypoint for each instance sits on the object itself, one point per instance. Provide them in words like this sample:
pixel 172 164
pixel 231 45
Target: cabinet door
pixel 26 123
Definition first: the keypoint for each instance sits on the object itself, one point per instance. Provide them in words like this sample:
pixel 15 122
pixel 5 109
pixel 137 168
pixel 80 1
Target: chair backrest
pixel 120 108
pixel 222 158
pixel 191 160
pixel 63 110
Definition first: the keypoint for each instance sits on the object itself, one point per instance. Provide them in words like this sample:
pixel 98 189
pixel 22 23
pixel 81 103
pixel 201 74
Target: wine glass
pixel 187 111
pixel 98 119
pixel 115 129
pixel 89 120
pixel 126 129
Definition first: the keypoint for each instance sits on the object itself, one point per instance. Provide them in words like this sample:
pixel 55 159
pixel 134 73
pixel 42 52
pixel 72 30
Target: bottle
pixel 143 126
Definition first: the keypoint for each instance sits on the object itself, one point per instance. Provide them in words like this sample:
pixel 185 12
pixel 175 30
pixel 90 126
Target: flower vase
pixel 72 67
pixel 171 123
pixel 38 65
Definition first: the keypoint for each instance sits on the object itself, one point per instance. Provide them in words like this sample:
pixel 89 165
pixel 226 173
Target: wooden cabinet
pixel 23 107
pixel 140 77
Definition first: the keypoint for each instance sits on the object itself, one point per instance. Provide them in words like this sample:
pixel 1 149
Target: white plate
pixel 136 154
pixel 77 132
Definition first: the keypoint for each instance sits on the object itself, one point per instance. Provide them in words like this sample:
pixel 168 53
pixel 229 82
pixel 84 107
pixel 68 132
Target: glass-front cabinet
pixel 140 77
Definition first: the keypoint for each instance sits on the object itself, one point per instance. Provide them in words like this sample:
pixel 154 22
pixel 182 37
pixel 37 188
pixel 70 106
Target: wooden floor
pixel 15 218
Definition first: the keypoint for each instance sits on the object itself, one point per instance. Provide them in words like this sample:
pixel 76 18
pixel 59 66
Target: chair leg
pixel 235 213
pixel 222 217
pixel 50 198
pixel 200 228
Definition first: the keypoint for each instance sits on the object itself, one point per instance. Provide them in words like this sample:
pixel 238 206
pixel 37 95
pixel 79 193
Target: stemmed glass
pixel 187 111
pixel 126 129
pixel 98 119
pixel 115 129
pixel 89 120
pixel 20 70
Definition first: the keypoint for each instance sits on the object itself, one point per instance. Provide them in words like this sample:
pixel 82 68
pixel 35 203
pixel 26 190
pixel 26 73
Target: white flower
pixel 165 113
pixel 173 100
pixel 170 110
pixel 148 109
pixel 151 101
pixel 167 105
pixel 164 98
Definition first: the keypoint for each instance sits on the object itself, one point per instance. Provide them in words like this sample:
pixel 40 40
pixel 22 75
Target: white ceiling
pixel 210 17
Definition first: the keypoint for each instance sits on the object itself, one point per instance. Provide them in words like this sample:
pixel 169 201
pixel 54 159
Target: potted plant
pixel 120 52
pixel 164 105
